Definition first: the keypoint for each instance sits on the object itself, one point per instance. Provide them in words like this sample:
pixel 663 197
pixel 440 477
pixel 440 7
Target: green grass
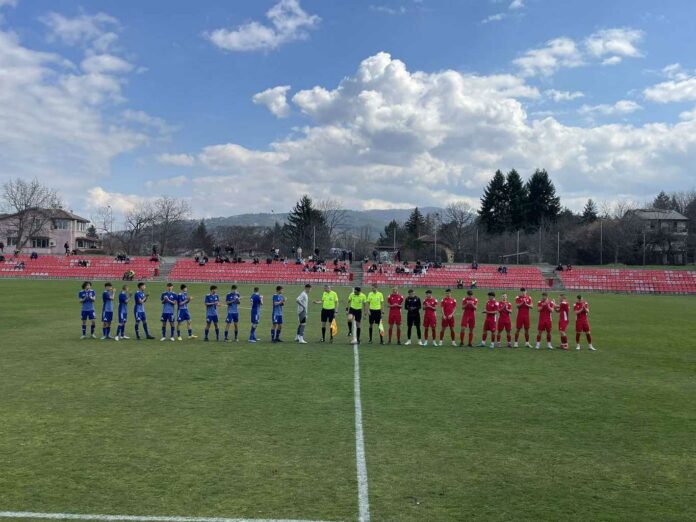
pixel 266 430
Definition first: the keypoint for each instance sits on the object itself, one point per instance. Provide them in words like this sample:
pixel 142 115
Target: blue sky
pixel 243 106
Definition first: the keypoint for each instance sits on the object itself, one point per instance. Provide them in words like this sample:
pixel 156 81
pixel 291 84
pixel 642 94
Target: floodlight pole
pixel 601 242
pixel 643 247
pixel 558 247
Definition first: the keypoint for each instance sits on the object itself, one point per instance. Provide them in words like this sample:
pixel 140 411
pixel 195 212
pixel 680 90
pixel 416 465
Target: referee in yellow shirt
pixel 356 303
pixel 329 306
pixel 375 300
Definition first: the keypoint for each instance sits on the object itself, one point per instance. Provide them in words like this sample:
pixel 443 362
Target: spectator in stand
pixel 350 257
pixel 299 252
pixel 19 266
pixel 2 258
pixel 154 250
pixel 460 284
pixel 474 265
pixel 34 256
pixel 2 247
pixel 16 252
pixel 473 284
pixel 128 275
pixel 569 268
pixel 374 255
pixel 66 246
pixel 559 268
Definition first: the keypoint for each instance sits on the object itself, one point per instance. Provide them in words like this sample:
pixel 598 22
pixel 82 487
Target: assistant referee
pixel 375 300
pixel 329 306
pixel 356 303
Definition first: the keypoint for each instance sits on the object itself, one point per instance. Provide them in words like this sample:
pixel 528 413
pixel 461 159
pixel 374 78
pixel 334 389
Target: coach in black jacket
pixel 412 305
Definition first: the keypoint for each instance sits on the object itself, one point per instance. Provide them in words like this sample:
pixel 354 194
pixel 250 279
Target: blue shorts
pixel 140 316
pixel 88 315
pixel 232 317
pixel 277 319
pixel 167 317
pixel 184 315
pixel 107 317
pixel 122 317
pixel 211 319
pixel 255 318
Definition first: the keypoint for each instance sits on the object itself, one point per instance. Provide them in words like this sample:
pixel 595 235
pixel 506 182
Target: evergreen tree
pixel 589 213
pixel 416 224
pixel 304 220
pixel 517 201
pixel 493 213
pixel 386 237
pixel 662 201
pixel 543 204
pixel 201 239
pixel 92 232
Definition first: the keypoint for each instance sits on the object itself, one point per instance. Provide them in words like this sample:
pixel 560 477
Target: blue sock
pixel 277 335
pixel 207 330
pixel 217 333
pixel 190 332
pixel 178 332
pixel 236 333
pixel 137 330
pixel 273 334
pixel 84 329
pixel 164 331
pixel 252 334
pixel 108 331
pixel 147 333
pixel 172 331
pixel 91 328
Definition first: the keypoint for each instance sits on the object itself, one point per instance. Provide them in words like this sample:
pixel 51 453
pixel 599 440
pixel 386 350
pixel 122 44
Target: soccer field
pixel 266 431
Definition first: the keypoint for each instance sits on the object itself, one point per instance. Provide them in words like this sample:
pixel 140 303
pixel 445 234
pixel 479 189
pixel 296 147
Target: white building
pixel 59 227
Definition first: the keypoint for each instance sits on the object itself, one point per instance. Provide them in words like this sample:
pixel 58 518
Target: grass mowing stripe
pixel 136 518
pixel 363 499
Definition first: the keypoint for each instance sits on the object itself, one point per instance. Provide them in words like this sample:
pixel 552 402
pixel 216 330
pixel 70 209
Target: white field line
pixel 363 499
pixel 134 518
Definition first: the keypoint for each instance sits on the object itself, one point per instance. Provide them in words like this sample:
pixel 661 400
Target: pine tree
pixel 517 201
pixel 304 221
pixel 662 201
pixel 543 204
pixel 92 232
pixel 386 237
pixel 416 224
pixel 201 239
pixel 589 213
pixel 493 213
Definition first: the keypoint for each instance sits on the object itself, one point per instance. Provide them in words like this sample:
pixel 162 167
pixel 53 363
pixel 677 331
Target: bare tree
pixel 335 216
pixel 137 221
pixel 168 216
pixel 458 220
pixel 31 206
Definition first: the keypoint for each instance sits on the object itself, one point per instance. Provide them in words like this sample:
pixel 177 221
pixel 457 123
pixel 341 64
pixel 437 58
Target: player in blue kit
pixel 211 313
pixel 87 297
pixel 107 310
pixel 123 299
pixel 256 303
pixel 184 299
pixel 277 315
pixel 232 299
pixel 139 311
pixel 168 299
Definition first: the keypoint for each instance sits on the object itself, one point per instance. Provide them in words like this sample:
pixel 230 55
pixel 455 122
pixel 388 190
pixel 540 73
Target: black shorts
pixel 375 316
pixel 357 314
pixel 327 316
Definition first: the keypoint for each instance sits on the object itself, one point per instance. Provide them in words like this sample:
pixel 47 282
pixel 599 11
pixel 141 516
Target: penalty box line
pixel 136 518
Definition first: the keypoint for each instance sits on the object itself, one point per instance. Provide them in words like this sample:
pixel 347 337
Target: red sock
pixel 434 333
pixel 485 336
pixel 539 337
pixel 426 334
pixel 517 335
pixel 391 326
pixel 452 334
pixel 526 335
pixel 442 334
pixel 548 337
pixel 589 338
pixel 471 336
pixel 509 337
pixel 461 337
pixel 577 338
pixel 398 334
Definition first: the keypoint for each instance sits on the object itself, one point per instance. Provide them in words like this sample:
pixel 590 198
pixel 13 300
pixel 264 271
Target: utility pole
pixel 518 247
pixel 601 241
pixel 643 247
pixel 558 248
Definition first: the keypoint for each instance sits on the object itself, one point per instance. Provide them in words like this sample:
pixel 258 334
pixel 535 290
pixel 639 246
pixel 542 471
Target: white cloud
pixel 561 96
pixel 388 10
pixel 178 160
pixel 612 45
pixel 419 138
pixel 167 183
pixel 289 22
pixel 675 71
pixel 557 53
pixel 516 4
pixel 8 3
pixel 275 100
pixel 97 31
pixel 621 107
pixel 681 88
pixel 105 63
pixel 494 18
pixel 121 203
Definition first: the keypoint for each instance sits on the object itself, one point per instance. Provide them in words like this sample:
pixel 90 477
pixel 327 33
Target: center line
pixel 363 501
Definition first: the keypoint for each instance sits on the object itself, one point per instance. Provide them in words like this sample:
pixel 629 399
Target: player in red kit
pixel 546 307
pixel 469 305
pixel 582 323
pixel 523 302
pixel 563 309
pixel 489 325
pixel 430 317
pixel 449 306
pixel 504 322
pixel 394 301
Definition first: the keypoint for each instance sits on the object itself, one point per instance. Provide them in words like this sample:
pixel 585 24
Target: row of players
pixel 497 321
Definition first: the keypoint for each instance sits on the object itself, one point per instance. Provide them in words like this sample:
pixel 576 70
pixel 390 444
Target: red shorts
pixel 545 325
pixel 395 317
pixel 489 324
pixel 582 325
pixel 469 321
pixel 447 323
pixel 504 324
pixel 429 320
pixel 562 326
pixel 522 321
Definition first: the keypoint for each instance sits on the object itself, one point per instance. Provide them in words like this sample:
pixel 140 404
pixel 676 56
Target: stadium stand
pixel 486 276
pixel 99 267
pixel 633 281
pixel 277 272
